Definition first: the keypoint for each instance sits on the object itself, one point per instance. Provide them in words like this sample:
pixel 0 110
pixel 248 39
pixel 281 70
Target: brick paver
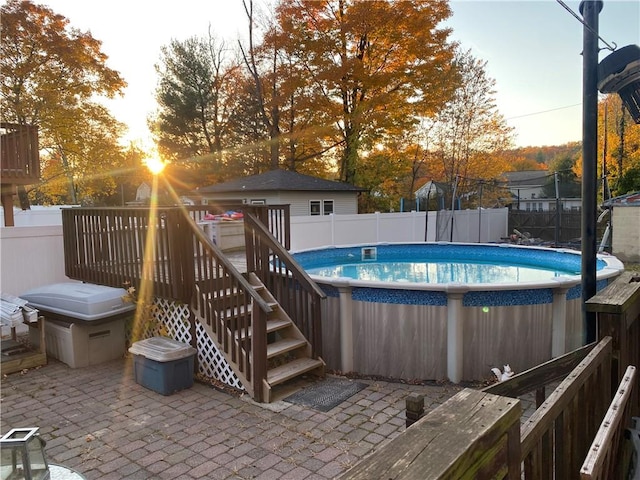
pixel 98 421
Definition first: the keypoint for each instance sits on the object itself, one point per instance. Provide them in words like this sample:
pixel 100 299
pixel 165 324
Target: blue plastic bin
pixel 162 364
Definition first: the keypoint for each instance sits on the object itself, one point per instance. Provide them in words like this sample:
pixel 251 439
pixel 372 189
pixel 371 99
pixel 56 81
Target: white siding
pixel 626 231
pixel 344 203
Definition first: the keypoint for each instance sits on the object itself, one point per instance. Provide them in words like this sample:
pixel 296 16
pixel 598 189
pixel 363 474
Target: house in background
pixel 526 187
pixel 305 194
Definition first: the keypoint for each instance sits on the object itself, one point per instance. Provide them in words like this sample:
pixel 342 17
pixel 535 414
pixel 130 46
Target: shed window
pixel 320 207
pixel 327 207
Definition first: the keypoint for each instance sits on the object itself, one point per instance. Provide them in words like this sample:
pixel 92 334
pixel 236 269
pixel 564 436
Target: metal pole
pixel 453 205
pixel 590 10
pixel 557 233
pixel 426 217
pixel 480 216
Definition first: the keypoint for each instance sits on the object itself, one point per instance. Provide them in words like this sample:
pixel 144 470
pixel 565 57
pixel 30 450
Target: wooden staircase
pixel 288 353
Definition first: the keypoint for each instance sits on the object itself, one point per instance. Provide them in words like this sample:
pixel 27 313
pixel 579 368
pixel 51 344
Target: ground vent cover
pixel 326 394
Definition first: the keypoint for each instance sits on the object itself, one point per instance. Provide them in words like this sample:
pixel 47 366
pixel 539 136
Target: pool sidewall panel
pixel 518 335
pixel 331 333
pixel 400 341
pixel 575 327
pixel 409 341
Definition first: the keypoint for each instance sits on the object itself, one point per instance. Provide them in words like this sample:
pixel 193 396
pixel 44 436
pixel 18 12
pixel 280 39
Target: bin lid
pixel 84 301
pixel 162 349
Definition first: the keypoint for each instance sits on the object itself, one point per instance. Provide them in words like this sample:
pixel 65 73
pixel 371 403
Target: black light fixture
pixel 619 72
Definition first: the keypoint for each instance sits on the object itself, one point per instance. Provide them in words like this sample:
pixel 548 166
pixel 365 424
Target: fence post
pixel 415 408
pixel 617 310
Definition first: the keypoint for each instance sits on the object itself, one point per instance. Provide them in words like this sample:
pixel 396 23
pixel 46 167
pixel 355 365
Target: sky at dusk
pixel 532 49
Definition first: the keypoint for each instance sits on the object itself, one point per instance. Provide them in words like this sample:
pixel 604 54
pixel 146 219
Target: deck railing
pixel 556 438
pixel 608 459
pixel 617 309
pixel 19 154
pixel 553 442
pixel 107 246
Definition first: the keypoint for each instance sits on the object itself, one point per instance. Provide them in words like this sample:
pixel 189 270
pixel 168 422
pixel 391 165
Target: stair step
pixel 283 346
pixel 277 324
pixel 292 369
pixel 272 326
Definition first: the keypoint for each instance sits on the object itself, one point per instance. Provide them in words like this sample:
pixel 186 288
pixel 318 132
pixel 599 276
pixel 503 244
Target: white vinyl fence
pixel 31 257
pixel 469 226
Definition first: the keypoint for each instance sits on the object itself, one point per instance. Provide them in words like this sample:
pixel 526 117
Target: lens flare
pixel 155 165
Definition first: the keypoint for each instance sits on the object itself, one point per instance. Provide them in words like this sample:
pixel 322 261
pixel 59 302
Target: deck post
pixel 7 205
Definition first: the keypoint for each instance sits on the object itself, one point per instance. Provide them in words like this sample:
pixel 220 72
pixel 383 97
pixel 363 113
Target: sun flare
pixel 155 165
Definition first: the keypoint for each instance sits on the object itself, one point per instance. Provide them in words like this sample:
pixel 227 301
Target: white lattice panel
pixel 212 364
pixel 172 320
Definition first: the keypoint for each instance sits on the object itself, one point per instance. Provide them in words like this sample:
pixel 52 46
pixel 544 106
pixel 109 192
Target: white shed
pixel 305 194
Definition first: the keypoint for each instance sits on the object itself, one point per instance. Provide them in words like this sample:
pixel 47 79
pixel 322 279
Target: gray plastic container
pixel 84 323
pixel 76 302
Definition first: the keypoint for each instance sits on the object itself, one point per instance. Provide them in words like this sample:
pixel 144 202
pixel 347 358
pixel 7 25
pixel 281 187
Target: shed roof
pixel 526 178
pixel 630 199
pixel 279 180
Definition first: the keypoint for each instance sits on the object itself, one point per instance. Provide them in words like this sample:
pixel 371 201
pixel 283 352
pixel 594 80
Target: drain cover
pixel 327 394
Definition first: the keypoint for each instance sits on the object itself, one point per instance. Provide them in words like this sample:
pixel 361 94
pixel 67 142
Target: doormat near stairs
pixel 326 394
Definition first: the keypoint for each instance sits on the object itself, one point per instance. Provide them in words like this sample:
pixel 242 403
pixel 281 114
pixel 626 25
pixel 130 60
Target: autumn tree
pixel 197 93
pixel 391 172
pixel 569 186
pixel 519 163
pixel 283 101
pixel 619 146
pixel 371 67
pixel 468 137
pixel 51 76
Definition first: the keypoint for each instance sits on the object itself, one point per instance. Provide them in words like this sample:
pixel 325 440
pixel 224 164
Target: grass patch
pixel 632 267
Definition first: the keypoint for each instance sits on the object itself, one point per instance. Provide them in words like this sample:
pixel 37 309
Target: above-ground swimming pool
pixel 449 311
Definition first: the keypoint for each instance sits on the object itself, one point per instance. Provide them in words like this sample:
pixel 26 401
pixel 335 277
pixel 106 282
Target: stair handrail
pixel 257 373
pixel 266 256
pixel 273 243
pixel 222 259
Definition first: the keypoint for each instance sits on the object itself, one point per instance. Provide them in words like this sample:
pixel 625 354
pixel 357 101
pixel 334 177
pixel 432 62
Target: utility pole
pixel 590 9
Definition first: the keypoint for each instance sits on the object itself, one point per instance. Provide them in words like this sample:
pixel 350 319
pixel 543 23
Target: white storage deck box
pixel 84 323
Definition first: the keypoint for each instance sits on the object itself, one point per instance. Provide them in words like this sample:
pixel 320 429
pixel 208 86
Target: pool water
pixel 438 272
